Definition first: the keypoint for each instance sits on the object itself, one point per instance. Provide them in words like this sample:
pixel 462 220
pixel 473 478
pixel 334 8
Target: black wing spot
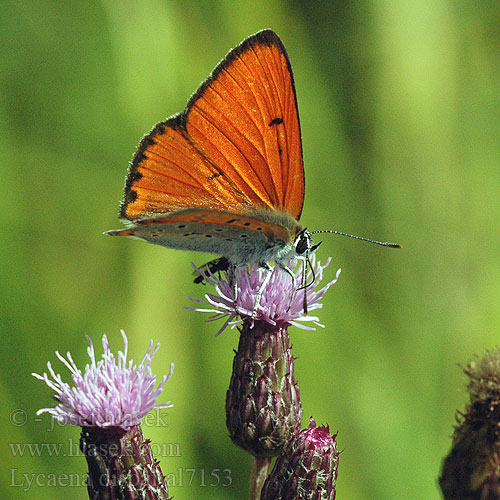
pixel 276 121
pixel 140 157
pixel 212 177
pixel 130 197
pixel 159 129
pixel 208 236
pixel 136 176
pixel 219 229
pixel 258 228
pixel 181 226
pixel 149 141
pixel 280 151
pixel 231 221
pixel 247 223
pixel 243 235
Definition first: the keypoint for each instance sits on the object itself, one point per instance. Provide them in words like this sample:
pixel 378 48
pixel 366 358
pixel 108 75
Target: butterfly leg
pixel 231 278
pixel 262 287
pixel 304 285
pixel 294 282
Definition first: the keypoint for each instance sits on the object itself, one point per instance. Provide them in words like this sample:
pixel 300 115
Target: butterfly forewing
pixel 236 146
pixel 245 118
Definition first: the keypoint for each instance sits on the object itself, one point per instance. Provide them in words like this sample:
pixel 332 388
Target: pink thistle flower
pixel 307 467
pixel 112 391
pixel 274 306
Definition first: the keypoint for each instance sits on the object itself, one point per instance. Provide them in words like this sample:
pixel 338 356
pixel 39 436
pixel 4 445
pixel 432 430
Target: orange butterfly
pixel 226 175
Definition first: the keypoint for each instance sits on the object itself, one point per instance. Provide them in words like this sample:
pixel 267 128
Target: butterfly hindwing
pixel 237 236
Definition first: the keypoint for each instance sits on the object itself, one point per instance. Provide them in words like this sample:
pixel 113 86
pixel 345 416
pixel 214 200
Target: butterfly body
pixel 226 175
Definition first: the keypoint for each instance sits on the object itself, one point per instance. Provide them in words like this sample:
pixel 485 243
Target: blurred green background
pixel 399 105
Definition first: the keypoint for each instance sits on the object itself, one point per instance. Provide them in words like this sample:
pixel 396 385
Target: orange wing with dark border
pixel 237 144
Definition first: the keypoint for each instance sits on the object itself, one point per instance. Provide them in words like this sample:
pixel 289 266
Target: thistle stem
pixel 258 475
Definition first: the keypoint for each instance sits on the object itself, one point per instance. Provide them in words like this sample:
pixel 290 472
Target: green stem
pixel 259 473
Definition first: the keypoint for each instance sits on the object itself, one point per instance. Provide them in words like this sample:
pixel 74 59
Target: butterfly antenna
pixel 304 285
pixel 382 243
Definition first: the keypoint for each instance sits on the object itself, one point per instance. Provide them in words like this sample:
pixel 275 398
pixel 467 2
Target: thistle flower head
pixel 282 300
pixel 263 407
pixel 306 468
pixel 111 392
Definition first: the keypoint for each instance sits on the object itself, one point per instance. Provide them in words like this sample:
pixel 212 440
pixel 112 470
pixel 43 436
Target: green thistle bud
pixel 121 465
pixel 471 471
pixel 306 469
pixel 263 405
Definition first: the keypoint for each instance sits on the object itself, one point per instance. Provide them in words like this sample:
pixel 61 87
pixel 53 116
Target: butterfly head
pixel 303 244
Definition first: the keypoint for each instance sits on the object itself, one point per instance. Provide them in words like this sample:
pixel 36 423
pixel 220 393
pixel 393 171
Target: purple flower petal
pixel 113 392
pixel 274 306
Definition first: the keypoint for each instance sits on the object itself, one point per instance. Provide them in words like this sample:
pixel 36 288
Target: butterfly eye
pixel 303 243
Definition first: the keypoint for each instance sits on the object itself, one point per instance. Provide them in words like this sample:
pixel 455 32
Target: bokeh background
pixel 399 105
